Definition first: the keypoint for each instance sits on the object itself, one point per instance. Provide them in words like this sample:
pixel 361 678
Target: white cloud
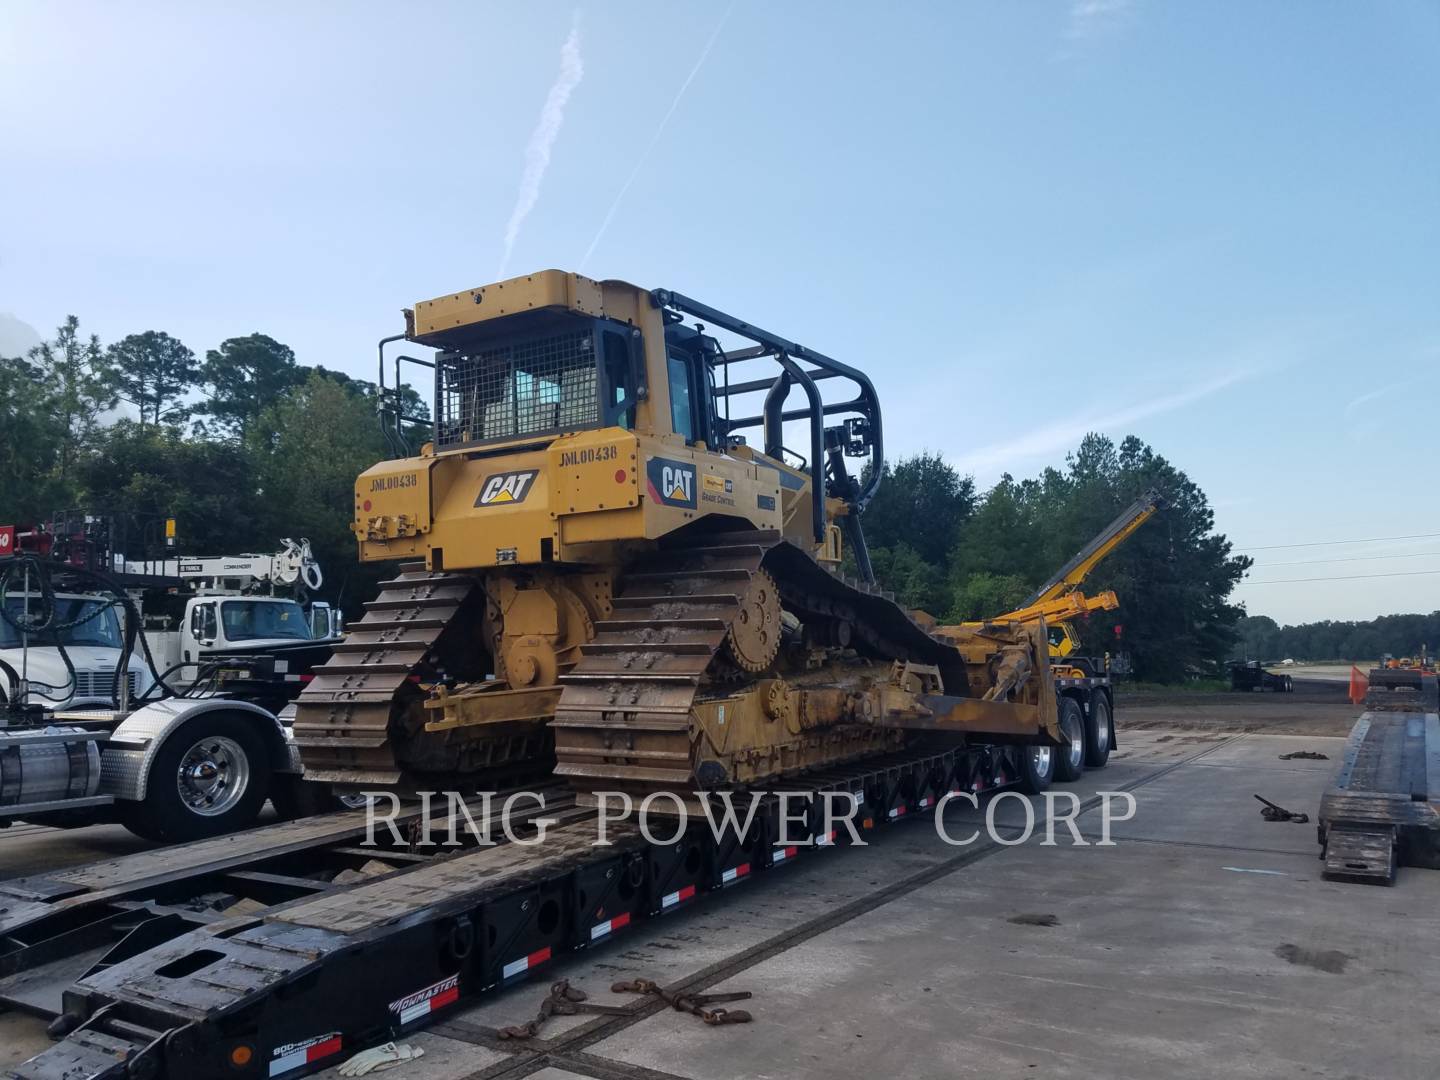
pixel 1088 16
pixel 542 139
pixel 1065 434
pixel 1369 396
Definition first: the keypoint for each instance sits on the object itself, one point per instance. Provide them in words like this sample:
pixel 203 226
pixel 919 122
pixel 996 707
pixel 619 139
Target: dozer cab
pixel 602 573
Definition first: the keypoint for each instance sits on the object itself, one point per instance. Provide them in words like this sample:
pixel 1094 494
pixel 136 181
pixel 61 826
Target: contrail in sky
pixel 664 120
pixel 1066 433
pixel 542 139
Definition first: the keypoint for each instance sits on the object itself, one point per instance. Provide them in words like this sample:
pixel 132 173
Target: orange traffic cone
pixel 1359 683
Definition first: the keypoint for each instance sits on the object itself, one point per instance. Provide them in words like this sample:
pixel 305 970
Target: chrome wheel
pixel 1077 745
pixel 1102 734
pixel 1040 756
pixel 213 776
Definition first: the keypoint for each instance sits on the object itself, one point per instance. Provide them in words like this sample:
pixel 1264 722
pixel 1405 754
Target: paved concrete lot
pixel 1202 944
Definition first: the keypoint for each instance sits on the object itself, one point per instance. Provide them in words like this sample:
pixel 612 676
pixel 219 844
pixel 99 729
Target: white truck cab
pixel 93 645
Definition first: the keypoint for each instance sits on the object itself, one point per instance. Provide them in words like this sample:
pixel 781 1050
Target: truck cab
pixel 91 641
pixel 214 626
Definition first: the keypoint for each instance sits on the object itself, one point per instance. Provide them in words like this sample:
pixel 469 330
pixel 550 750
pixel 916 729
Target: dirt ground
pixel 1316 707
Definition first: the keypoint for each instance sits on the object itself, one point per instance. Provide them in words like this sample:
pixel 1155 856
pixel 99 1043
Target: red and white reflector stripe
pixel 525 963
pixel 609 926
pixel 782 854
pixel 828 838
pixel 897 811
pixel 735 873
pixel 677 897
pixel 423 1002
pixel 926 802
pixel 294 1056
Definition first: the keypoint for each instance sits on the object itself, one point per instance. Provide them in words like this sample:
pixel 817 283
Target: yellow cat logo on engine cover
pixel 506 488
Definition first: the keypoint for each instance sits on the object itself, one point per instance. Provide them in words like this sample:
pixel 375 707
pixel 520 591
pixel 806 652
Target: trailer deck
pixel 1383 810
pixel 1203 944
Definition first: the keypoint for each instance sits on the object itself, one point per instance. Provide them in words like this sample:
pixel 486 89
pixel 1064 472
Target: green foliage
pixel 243 376
pixel 1261 638
pixel 279 457
pixel 1173 576
pixel 153 473
pixel 308 446
pixel 77 391
pixel 154 372
pixel 921 502
pixel 981 595
pixel 29 445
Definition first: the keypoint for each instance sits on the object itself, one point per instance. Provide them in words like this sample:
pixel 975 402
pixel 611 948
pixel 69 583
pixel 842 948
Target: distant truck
pixel 1252 676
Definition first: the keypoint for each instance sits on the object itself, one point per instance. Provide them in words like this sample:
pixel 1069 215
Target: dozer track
pixel 342 718
pixel 624 713
pixel 347 717
pixel 624 718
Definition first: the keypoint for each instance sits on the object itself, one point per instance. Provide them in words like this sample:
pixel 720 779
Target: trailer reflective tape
pixel 897 811
pixel 828 838
pixel 782 855
pixel 297 1055
pixel 735 873
pixel 610 925
pixel 671 899
pixel 423 1002
pixel 525 963
pixel 925 802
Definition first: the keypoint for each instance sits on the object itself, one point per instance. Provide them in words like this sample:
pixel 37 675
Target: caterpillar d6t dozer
pixel 599 571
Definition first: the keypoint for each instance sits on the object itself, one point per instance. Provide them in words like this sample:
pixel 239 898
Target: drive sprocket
pixel 753 638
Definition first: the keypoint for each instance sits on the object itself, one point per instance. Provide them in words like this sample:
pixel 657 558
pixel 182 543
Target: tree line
pixel 243 446
pixel 1262 638
pixel 959 554
pixel 246 445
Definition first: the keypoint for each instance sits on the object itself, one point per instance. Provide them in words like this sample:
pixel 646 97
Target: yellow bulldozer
pixel 602 573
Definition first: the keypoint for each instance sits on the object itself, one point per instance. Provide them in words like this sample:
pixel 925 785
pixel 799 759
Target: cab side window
pixel 682 416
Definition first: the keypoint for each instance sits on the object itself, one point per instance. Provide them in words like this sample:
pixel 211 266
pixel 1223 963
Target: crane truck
pixel 190 742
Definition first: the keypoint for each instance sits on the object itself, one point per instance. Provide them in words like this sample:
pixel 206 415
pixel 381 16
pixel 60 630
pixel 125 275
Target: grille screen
pixel 100 683
pixel 519 388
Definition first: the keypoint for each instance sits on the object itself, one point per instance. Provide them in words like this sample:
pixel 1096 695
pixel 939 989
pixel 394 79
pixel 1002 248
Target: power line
pixel 1355 559
pixel 1332 543
pixel 1342 577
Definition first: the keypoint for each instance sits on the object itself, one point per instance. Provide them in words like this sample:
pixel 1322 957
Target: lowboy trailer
pixel 237 957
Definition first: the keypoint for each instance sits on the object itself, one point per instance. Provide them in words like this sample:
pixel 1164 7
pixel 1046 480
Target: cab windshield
pixel 255 620
pixel 96 625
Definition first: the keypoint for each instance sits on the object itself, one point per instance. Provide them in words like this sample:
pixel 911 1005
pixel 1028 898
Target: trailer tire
pixel 1037 767
pixel 1070 755
pixel 294 797
pixel 1099 732
pixel 216 756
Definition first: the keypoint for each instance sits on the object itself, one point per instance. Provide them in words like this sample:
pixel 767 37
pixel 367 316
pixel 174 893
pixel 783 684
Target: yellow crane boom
pixel 1059 600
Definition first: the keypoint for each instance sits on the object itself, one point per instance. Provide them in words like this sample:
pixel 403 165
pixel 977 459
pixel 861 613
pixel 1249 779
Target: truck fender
pixel 128 756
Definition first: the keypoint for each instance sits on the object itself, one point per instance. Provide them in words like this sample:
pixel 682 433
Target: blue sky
pixel 1211 225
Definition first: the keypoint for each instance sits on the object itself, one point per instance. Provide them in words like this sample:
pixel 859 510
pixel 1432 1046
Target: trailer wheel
pixel 1099 733
pixel 1070 757
pixel 294 797
pixel 1037 768
pixel 211 776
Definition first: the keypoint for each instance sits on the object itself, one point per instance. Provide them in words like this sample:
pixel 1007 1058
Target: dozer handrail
pixel 866 402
